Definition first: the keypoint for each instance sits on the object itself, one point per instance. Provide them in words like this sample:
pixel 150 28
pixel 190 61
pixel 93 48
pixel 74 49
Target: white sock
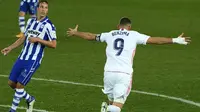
pixel 113 108
pixel 17 97
pixel 27 96
pixel 22 23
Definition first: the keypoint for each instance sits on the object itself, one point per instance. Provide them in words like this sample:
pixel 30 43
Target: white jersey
pixel 44 30
pixel 120 50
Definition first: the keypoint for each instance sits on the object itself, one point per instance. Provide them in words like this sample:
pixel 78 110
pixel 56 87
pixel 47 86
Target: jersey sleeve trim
pixel 145 43
pixel 98 37
pixel 49 35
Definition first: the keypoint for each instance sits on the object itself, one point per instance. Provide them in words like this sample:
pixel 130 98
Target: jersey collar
pixel 42 19
pixel 123 29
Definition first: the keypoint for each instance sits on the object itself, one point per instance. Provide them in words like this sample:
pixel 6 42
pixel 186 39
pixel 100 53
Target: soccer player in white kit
pixel 120 51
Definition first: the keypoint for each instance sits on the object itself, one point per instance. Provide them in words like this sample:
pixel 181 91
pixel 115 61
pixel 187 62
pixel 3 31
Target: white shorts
pixel 117 86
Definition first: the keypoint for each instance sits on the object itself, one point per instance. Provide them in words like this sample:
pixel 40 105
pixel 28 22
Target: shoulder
pixel 31 19
pixel 105 34
pixel 113 31
pixel 49 21
pixel 109 32
pixel 134 32
pixel 50 25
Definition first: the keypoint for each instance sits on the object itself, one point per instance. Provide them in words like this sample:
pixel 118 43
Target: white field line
pixel 24 108
pixel 134 91
pixel 168 97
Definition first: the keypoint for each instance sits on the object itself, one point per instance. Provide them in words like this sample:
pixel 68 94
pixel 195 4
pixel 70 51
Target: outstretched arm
pixel 16 44
pixel 163 40
pixel 84 35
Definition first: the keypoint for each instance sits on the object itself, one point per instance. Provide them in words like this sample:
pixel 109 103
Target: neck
pixel 39 18
pixel 127 27
pixel 124 28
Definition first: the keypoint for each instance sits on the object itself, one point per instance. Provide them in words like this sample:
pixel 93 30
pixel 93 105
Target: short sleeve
pixel 102 37
pixel 51 32
pixel 142 38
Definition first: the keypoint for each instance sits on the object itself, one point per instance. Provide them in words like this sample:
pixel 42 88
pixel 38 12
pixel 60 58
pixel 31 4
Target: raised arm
pixel 16 44
pixel 162 40
pixel 84 35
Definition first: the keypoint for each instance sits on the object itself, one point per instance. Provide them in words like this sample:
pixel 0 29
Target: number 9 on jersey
pixel 119 45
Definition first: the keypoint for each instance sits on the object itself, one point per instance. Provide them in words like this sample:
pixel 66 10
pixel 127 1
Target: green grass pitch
pixel 172 70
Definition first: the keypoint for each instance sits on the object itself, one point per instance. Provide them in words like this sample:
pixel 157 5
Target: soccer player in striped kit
pixel 26 6
pixel 40 32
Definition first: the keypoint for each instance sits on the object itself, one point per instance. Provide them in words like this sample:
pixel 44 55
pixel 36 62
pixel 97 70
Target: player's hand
pixel 6 50
pixel 187 39
pixel 33 39
pixel 71 31
pixel 182 40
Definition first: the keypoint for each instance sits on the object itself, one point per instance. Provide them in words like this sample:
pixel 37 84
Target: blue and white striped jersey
pixel 30 1
pixel 43 29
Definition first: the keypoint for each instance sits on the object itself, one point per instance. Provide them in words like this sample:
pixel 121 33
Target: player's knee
pixel 12 84
pixel 113 108
pixel 9 83
pixel 21 13
pixel 19 86
pixel 118 104
pixel 32 16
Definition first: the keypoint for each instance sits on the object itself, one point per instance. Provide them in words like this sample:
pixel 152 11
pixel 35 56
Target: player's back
pixel 120 50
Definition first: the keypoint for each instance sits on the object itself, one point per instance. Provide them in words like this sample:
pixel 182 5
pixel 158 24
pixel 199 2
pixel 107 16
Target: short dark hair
pixel 124 21
pixel 42 1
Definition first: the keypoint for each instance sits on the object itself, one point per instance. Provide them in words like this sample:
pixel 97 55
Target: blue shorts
pixel 23 70
pixel 28 7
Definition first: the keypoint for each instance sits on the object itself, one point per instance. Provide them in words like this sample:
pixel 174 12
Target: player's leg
pixel 104 105
pixel 110 102
pixel 29 68
pixel 21 93
pixel 32 9
pixel 120 92
pixel 22 12
pixel 14 74
pixel 109 82
pixel 17 97
pixel 24 79
pixel 117 103
pixel 12 82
